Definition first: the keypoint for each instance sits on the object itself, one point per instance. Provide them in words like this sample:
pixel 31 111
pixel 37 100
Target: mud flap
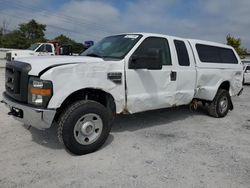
pixel 231 104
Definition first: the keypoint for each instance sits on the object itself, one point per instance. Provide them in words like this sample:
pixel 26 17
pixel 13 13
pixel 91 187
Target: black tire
pixel 221 104
pixel 69 121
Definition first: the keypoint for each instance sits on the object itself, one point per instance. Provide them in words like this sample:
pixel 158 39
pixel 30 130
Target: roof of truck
pixel 181 38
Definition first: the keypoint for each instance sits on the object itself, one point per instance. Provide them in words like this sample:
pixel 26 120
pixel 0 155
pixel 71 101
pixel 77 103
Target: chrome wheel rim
pixel 88 129
pixel 223 104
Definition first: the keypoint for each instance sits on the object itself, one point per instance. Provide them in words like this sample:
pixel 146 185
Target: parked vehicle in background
pixel 246 74
pixel 245 61
pixel 126 73
pixel 50 48
pixel 87 44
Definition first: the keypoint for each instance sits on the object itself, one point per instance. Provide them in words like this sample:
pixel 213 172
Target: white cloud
pixel 84 20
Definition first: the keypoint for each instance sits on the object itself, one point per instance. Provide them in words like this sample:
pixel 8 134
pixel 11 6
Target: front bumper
pixel 36 117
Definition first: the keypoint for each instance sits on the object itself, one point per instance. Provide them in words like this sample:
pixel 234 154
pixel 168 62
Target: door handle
pixel 173 75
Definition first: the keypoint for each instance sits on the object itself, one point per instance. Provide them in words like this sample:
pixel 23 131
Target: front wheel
pixel 84 127
pixel 221 104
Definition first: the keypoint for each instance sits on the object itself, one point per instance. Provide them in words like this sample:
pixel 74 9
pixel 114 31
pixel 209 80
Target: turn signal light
pixel 41 91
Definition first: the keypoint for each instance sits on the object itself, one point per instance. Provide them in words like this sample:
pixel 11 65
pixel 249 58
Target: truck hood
pixel 39 63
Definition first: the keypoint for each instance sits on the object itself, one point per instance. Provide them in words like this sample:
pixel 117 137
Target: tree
pixel 236 44
pixel 14 39
pixel 24 36
pixel 76 47
pixel 29 33
pixel 33 31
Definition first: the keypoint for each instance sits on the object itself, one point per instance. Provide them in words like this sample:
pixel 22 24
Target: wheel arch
pixel 225 85
pixel 94 94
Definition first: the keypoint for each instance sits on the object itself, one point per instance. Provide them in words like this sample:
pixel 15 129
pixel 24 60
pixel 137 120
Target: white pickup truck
pixel 40 49
pixel 37 49
pixel 124 73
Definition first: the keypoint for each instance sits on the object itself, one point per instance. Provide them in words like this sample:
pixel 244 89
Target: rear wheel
pixel 221 104
pixel 84 127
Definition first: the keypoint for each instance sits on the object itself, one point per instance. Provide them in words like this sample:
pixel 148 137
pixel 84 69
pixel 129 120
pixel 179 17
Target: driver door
pixel 151 89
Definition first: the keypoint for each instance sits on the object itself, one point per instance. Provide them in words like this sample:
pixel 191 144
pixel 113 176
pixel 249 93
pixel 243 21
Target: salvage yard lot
pixel 163 148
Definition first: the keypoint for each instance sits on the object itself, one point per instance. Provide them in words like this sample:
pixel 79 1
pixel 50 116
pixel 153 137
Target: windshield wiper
pixel 111 57
pixel 93 55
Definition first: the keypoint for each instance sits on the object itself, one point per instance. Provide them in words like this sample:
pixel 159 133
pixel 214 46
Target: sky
pixel 94 19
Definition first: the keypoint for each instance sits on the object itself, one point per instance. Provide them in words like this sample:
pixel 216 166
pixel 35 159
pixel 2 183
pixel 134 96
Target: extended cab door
pixel 151 89
pixel 185 71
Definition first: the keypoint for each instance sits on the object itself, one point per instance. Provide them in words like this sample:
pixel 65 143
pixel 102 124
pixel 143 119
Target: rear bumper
pixel 38 118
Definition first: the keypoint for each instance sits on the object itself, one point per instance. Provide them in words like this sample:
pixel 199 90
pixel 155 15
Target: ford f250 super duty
pixel 125 73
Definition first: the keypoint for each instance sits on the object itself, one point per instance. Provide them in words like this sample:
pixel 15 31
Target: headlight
pixel 40 92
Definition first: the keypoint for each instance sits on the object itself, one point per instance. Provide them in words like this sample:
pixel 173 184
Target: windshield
pixel 33 46
pixel 113 47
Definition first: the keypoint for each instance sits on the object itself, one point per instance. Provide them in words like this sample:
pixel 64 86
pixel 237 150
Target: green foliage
pixel 27 34
pixel 14 40
pixel 76 47
pixel 33 31
pixel 236 44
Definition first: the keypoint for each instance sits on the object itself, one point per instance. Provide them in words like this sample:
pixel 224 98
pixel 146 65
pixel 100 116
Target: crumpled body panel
pixel 209 80
pixel 67 79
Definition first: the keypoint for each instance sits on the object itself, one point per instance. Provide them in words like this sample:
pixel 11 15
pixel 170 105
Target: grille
pixel 16 80
pixel 12 78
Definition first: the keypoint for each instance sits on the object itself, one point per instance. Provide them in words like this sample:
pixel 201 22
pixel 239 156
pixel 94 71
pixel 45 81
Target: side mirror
pixel 151 59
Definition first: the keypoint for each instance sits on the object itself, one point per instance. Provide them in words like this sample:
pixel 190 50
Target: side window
pixel 48 48
pixel 248 68
pixel 182 53
pixel 208 53
pixel 155 43
pixel 214 54
pixel 41 48
pixel 227 56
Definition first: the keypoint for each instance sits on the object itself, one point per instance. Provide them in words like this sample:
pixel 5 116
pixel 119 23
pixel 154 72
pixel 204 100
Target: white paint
pixel 145 89
pixel 17 53
pixel 211 75
pixel 92 74
pixel 247 74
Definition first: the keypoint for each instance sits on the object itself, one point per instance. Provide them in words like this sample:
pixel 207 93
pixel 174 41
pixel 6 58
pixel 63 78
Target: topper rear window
pixel 214 54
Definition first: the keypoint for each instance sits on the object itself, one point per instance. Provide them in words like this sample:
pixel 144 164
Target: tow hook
pixel 16 112
pixel 12 113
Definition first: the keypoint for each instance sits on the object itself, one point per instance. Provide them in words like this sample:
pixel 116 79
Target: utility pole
pixel 4 27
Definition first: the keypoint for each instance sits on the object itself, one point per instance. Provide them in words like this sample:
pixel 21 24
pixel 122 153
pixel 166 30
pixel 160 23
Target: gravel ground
pixel 164 148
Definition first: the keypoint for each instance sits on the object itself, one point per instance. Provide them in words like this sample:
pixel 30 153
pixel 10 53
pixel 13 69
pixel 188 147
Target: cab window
pixel 41 48
pixel 48 48
pixel 156 44
pixel 182 53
